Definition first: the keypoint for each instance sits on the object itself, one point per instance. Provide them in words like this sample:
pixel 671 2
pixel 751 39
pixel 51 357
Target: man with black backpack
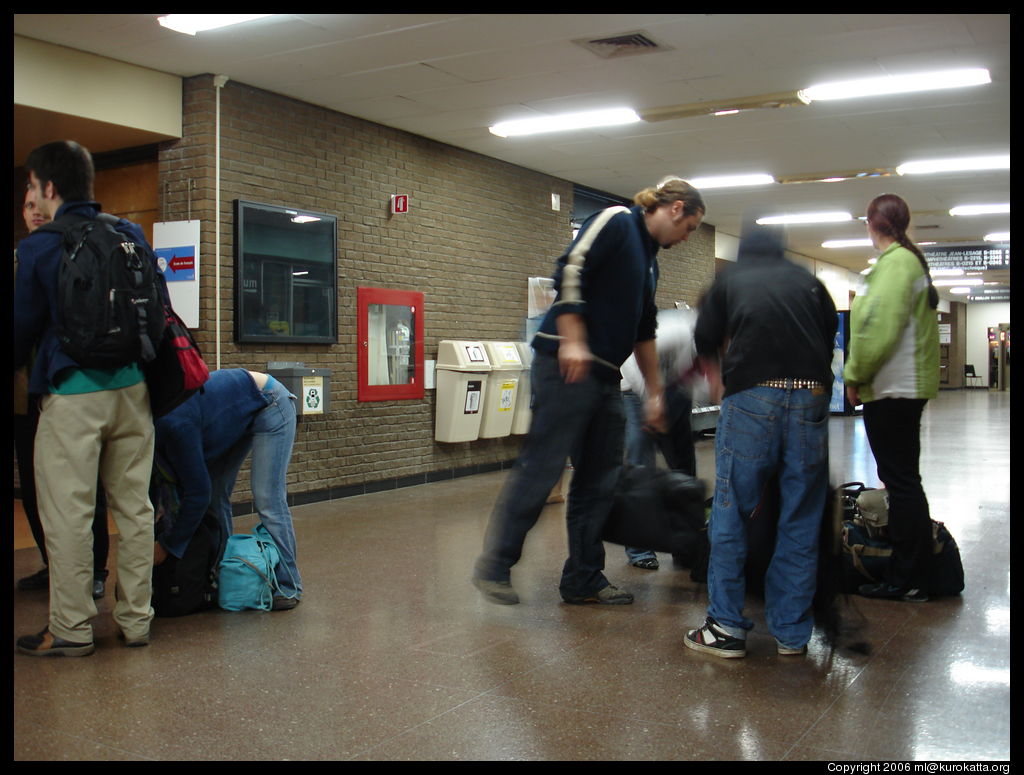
pixel 95 415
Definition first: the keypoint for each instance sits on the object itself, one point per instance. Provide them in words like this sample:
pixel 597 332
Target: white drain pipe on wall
pixel 218 82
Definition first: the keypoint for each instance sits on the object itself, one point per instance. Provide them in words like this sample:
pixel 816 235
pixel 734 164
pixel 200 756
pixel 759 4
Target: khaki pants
pixel 109 432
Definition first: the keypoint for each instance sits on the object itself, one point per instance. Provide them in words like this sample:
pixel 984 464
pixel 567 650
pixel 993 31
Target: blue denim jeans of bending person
pixel 582 421
pixel 270 439
pixel 764 432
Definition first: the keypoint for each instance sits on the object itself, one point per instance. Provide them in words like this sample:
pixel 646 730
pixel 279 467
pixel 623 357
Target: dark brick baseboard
pixel 380 485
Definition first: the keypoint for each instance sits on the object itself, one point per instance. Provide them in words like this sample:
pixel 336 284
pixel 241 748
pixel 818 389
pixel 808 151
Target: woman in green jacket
pixel 893 369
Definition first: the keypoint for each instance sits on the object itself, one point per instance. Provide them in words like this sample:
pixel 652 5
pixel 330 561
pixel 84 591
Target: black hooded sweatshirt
pixel 774 319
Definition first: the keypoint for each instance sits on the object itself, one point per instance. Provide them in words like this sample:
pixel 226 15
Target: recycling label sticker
pixel 506 401
pixel 312 395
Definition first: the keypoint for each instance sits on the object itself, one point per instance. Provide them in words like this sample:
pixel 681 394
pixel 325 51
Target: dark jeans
pixel 893 427
pixel 24 441
pixel 584 422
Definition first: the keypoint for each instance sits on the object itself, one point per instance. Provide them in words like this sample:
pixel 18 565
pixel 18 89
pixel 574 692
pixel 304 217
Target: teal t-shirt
pixel 75 381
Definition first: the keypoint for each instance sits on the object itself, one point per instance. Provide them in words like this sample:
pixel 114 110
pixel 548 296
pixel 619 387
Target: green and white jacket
pixel 894 333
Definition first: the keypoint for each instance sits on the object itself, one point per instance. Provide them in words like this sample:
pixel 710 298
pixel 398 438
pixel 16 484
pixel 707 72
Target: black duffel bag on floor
pixel 658 509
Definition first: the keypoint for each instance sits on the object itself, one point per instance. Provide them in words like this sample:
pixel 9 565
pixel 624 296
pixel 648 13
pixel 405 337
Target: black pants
pixel 893 427
pixel 24 443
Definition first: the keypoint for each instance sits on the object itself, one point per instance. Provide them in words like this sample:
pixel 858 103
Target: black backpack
pixel 189 585
pixel 110 309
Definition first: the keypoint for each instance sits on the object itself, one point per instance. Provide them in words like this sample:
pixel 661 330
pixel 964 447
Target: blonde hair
pixel 671 189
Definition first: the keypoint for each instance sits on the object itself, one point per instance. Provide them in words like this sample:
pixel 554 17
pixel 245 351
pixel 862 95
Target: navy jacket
pixel 35 297
pixel 197 433
pixel 609 276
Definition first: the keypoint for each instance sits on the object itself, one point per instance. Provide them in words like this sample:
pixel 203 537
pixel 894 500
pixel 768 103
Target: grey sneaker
pixel 610 595
pixel 499 592
pixel 712 639
pixel 787 651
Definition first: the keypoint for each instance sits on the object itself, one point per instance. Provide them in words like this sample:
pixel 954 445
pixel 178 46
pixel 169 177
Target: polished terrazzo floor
pixel 393 655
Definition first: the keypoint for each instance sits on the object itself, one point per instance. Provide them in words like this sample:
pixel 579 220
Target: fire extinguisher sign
pixel 399 203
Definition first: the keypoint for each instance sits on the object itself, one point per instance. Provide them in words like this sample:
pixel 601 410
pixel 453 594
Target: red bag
pixel 178 370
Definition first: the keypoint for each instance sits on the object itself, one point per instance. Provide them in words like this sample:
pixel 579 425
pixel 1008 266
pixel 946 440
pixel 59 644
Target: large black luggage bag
pixel 660 510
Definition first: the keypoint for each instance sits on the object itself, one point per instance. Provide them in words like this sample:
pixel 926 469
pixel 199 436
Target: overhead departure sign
pixel 969 258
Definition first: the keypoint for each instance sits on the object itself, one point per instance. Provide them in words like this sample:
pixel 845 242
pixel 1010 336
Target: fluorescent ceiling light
pixel 897 84
pixel 940 283
pixel 728 181
pixel 954 165
pixel 191 23
pixel 847 243
pixel 585 120
pixel 833 217
pixel 998 236
pixel 960 291
pixel 980 209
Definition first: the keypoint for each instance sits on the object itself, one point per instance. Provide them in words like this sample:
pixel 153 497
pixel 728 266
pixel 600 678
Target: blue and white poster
pixel 178 264
pixel 176 245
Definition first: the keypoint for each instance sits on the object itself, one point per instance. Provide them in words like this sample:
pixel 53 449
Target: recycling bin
pixel 524 394
pixel 499 400
pixel 310 386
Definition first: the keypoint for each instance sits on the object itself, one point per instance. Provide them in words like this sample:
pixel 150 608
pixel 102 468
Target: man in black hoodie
pixel 768 327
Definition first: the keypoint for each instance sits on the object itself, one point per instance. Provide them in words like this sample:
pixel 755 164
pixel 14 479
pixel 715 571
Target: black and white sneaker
pixel 712 639
pixel 885 591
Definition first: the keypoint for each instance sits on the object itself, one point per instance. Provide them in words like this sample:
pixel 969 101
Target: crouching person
pixel 204 442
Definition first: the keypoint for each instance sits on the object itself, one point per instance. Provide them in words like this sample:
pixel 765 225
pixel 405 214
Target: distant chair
pixel 970 374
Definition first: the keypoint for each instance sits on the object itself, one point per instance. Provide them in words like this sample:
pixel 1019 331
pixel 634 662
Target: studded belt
pixel 795 384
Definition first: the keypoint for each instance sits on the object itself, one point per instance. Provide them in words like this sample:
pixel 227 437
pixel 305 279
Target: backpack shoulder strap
pixel 62 224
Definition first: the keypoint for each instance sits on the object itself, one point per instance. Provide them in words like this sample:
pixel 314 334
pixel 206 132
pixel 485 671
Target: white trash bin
pixel 524 394
pixel 500 393
pixel 461 378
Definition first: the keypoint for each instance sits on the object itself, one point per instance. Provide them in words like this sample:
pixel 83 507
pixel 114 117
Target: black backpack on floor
pixel 187 585
pixel 110 307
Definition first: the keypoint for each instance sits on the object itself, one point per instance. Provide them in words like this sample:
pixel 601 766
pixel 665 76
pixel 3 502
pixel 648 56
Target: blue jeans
pixel 764 432
pixel 582 421
pixel 270 439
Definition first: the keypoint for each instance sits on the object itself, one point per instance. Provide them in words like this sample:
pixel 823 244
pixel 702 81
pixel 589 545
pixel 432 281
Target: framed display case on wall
pixel 389 327
pixel 286 274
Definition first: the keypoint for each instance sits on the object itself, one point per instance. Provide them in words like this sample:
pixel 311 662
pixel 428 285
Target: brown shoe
pixel 45 644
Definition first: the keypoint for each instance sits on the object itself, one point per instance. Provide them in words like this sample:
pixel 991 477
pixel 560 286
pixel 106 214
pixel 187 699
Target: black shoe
pixel 282 603
pixel 46 645
pixel 647 563
pixel 712 639
pixel 99 588
pixel 885 591
pixel 133 643
pixel 38 580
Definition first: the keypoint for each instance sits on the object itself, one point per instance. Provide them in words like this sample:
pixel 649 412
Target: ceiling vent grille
pixel 622 45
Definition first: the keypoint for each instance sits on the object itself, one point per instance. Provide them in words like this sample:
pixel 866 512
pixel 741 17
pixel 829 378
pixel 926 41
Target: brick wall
pixel 476 230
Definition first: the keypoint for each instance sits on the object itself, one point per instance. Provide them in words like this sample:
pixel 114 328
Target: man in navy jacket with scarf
pixel 604 310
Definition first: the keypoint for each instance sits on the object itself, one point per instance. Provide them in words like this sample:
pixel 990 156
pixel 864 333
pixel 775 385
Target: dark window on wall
pixel 587 201
pixel 286 274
